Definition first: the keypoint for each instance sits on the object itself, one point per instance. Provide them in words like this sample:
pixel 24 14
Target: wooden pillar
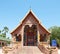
pixel 22 35
pixel 38 37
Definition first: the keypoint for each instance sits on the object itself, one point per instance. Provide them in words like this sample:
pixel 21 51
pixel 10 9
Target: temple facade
pixel 30 37
pixel 30 31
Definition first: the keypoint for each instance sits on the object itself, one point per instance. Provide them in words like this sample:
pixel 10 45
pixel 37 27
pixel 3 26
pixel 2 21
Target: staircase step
pixel 26 50
pixel 29 50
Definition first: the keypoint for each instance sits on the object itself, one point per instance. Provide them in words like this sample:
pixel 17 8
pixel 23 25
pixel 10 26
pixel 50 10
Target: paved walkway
pixel 26 50
pixel 30 50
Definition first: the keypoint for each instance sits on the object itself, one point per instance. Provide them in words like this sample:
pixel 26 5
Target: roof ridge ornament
pixel 30 7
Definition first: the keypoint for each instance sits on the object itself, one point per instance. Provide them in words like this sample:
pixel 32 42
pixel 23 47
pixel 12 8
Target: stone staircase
pixel 25 50
pixel 29 50
pixel 40 49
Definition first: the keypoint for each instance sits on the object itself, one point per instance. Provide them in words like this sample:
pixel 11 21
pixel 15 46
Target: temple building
pixel 30 37
pixel 30 31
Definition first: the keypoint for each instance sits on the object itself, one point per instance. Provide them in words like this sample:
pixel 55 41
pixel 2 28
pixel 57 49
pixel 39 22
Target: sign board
pixel 54 43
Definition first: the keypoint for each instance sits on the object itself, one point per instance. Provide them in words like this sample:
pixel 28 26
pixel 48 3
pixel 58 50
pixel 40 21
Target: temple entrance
pixel 30 35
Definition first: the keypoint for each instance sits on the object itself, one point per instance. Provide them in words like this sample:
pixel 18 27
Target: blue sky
pixel 12 11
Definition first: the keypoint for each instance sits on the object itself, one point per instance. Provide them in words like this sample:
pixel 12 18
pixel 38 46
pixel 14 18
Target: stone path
pixel 26 50
pixel 29 50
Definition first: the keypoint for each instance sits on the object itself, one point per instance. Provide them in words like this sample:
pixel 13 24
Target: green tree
pixel 0 31
pixel 4 31
pixel 3 34
pixel 8 38
pixel 55 34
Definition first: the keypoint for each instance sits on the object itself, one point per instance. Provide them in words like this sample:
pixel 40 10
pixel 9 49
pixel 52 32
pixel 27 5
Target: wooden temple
pixel 30 31
pixel 30 37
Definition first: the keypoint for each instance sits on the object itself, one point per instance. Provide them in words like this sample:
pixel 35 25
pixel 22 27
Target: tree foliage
pixel 4 31
pixel 55 34
pixel 0 31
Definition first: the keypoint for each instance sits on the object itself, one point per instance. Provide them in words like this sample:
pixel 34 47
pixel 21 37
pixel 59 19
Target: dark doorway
pixel 30 35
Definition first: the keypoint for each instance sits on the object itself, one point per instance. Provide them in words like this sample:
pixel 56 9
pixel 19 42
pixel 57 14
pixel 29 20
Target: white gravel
pixel 59 51
pixel 1 51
